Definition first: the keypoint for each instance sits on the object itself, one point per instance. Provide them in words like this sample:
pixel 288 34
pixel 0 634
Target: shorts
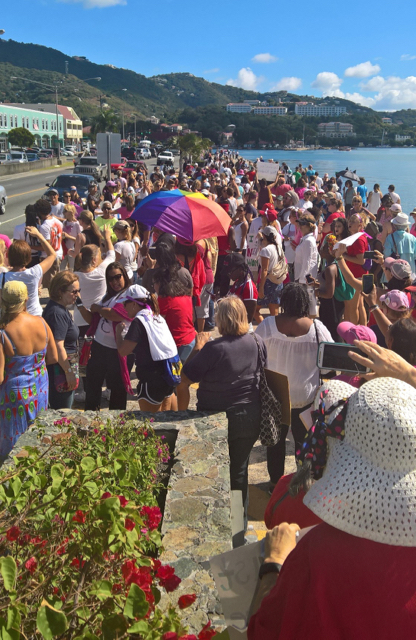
pixel 272 294
pixel 154 392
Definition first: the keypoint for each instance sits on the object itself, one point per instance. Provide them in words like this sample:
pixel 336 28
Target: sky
pixel 364 52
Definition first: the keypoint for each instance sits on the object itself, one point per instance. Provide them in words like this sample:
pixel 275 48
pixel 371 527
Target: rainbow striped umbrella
pixel 188 215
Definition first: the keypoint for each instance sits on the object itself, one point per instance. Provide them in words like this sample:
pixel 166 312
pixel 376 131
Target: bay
pixel 382 166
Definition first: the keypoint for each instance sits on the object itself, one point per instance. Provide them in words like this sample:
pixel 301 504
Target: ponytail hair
pixel 88 218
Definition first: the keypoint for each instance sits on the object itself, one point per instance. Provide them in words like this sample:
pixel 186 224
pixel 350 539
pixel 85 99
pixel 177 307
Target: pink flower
pixel 152 516
pixel 170 635
pixel 167 577
pixel 207 632
pixel 123 501
pixel 31 565
pixel 103 438
pixel 186 600
pixel 106 495
pixel 12 534
pixel 96 431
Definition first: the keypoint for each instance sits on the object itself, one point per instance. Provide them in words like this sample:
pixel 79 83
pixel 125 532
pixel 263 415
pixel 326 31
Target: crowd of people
pixel 127 299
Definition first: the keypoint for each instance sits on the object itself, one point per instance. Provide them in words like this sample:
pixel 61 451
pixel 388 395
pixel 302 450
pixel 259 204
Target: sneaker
pixel 80 396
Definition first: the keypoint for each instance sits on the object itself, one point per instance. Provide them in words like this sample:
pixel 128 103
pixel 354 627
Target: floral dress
pixel 23 394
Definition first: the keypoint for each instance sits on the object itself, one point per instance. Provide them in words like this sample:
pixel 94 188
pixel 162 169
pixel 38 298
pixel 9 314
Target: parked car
pixel 5 158
pixel 71 147
pixel 89 165
pixel 18 156
pixel 129 153
pixel 3 200
pixel 165 157
pixel 31 157
pixel 46 153
pixel 133 165
pixel 115 166
pixel 65 181
pixel 143 153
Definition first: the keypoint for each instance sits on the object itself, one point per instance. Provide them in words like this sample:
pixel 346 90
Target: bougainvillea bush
pixel 79 539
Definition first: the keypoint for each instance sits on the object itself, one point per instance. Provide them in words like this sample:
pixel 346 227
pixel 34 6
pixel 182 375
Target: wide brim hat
pixel 369 485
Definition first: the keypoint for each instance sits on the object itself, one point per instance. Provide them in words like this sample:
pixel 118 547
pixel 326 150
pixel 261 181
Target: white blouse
pixel 295 358
pixel 306 258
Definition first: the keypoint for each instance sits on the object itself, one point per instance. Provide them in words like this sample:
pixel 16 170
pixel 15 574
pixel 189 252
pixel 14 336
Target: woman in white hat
pixel 353 575
pixel 401 244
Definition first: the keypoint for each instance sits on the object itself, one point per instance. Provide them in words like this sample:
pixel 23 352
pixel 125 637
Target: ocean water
pixel 382 166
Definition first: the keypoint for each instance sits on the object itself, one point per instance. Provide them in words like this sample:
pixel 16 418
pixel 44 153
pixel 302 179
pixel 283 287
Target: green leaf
pixel 13 618
pixel 50 621
pixel 8 571
pixel 141 627
pixel 88 464
pixel 57 474
pixel 87 636
pixel 107 506
pixel 16 485
pixel 101 589
pixel 136 604
pixel 224 635
pixel 114 627
pixel 10 634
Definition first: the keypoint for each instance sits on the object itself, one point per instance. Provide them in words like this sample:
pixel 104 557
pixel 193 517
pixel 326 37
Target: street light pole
pixel 55 88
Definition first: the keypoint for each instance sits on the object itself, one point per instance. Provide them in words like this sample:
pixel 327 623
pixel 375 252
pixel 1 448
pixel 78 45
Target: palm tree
pixel 105 121
pixel 190 147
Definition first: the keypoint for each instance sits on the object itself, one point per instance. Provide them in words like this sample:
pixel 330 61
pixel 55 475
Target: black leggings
pixel 103 365
pixel 276 455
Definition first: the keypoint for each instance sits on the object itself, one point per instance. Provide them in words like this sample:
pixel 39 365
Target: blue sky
pixel 365 53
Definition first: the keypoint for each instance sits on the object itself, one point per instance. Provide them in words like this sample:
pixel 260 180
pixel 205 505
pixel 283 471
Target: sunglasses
pixel 74 292
pixel 117 277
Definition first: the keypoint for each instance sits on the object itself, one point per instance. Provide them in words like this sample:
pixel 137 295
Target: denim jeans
pixel 185 350
pixel 58 400
pixel 243 431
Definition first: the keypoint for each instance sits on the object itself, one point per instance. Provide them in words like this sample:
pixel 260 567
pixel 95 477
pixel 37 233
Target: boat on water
pixel 344 148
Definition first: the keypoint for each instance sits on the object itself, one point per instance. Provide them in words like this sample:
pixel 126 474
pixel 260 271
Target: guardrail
pixel 26 167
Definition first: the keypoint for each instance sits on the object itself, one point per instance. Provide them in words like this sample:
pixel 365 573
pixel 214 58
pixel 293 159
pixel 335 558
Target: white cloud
pixel 363 70
pixel 246 79
pixel 95 4
pixel 212 70
pixel 287 84
pixel 360 99
pixel 328 82
pixel 374 84
pixel 407 56
pixel 264 58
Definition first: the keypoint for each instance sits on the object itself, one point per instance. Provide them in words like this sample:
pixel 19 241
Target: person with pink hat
pixel 350 332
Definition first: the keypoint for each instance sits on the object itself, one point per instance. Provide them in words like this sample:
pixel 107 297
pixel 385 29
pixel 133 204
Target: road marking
pixel 11 219
pixel 16 195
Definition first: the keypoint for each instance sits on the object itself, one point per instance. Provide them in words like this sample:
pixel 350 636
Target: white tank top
pixel 238 233
pixel 374 205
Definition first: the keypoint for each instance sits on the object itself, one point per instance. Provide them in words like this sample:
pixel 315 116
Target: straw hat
pixel 13 296
pixel 369 485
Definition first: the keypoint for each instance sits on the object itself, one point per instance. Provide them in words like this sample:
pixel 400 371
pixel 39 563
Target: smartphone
pixel 332 355
pixel 369 255
pixel 309 279
pixel 152 252
pixel 368 283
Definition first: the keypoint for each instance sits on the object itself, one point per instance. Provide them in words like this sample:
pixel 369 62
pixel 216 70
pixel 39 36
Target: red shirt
pixel 178 313
pixel 355 249
pixel 281 189
pixel 282 507
pixel 330 219
pixel 246 291
pixel 335 586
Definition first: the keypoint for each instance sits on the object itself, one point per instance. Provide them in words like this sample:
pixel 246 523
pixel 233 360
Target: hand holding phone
pixel 368 282
pixel 369 255
pixel 309 279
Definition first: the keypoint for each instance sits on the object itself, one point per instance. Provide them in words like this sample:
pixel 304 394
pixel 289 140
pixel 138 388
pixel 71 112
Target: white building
pixel 309 109
pixel 386 120
pixel 336 129
pixel 239 107
pixel 254 103
pixel 400 138
pixel 269 111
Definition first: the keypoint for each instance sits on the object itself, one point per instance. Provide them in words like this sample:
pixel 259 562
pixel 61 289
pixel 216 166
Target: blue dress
pixel 23 394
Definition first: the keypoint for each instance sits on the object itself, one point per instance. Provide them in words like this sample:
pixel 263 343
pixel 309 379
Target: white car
pixel 3 200
pixel 18 156
pixel 143 153
pixel 165 157
pixel 5 158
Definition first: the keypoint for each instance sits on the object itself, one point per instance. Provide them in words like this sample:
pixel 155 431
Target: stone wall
pixel 25 167
pixel 197 515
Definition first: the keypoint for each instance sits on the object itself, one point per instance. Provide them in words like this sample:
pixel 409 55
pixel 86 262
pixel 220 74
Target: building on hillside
pixel 254 103
pixel 269 111
pixel 239 107
pixel 154 120
pixel 309 109
pixel 399 138
pixel 336 129
pixel 39 122
pixel 72 123
pixel 386 120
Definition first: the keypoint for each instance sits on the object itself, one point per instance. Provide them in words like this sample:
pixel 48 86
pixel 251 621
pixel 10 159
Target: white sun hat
pixel 369 485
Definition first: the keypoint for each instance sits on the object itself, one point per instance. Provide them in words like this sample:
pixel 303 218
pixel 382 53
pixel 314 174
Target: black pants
pixel 276 455
pixel 104 365
pixel 330 313
pixel 243 431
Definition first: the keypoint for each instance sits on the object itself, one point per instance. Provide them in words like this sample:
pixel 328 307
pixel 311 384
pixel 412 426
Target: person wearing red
pixel 285 507
pixel 353 575
pixel 243 286
pixel 354 256
pixel 189 257
pixel 335 210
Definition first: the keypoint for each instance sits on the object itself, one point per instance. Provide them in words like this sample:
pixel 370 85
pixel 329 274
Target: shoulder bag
pixel 271 408
pixel 279 272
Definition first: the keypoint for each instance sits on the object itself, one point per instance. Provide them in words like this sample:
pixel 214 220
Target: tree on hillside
pixel 105 122
pixel 191 147
pixel 20 137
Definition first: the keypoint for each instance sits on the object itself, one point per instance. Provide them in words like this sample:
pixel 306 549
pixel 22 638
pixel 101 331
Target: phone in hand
pixel 334 356
pixel 369 255
pixel 309 279
pixel 368 282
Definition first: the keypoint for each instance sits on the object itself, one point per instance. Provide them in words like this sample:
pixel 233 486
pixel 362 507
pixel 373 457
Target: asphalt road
pixel 25 188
